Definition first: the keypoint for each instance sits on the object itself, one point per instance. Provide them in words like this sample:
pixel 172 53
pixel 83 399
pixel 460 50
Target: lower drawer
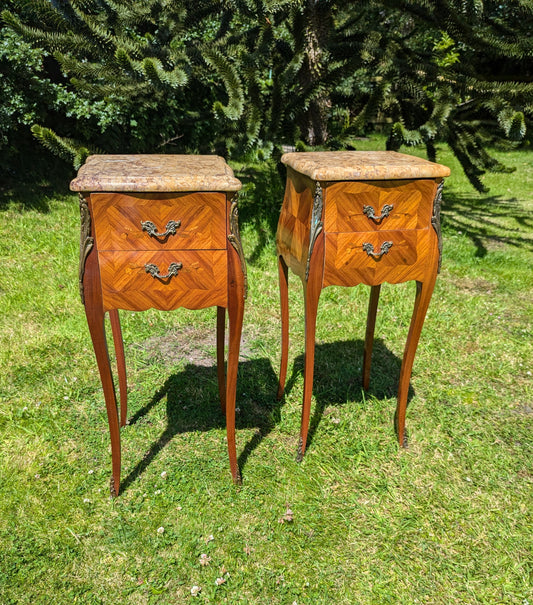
pixel 200 282
pixel 354 258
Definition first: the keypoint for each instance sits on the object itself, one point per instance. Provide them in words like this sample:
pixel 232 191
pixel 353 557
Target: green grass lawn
pixel 446 521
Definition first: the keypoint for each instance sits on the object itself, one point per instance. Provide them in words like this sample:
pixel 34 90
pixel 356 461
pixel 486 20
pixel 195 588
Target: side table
pixel 160 231
pixel 355 217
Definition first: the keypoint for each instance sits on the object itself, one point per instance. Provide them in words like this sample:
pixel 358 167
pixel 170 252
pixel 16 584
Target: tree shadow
pixel 34 180
pixel 338 376
pixel 32 195
pixel 193 405
pixel 480 219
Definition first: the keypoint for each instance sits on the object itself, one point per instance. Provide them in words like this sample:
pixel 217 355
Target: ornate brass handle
pixel 369 249
pixel 371 213
pixel 173 269
pixel 151 229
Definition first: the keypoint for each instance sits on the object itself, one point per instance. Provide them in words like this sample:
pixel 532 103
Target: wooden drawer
pixel 348 264
pixel 346 203
pixel 118 219
pixel 202 280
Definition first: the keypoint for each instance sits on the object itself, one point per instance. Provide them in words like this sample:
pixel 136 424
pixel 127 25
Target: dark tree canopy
pixel 244 77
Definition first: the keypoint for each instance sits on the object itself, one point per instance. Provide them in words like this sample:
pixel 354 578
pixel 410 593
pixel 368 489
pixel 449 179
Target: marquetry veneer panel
pixel 347 263
pixel 118 218
pixel 293 226
pixel 200 283
pixel 355 217
pixel 411 201
pixel 160 231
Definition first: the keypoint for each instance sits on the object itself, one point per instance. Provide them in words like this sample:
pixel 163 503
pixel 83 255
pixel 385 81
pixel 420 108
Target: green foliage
pixel 244 78
pixel 122 69
pixel 229 76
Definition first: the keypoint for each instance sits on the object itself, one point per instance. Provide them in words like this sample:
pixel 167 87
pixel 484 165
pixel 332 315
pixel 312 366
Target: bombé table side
pixel 355 217
pixel 160 231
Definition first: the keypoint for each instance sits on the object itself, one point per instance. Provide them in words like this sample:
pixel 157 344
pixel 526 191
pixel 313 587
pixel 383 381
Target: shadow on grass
pixel 338 376
pixel 33 195
pixel 36 178
pixel 485 220
pixel 193 405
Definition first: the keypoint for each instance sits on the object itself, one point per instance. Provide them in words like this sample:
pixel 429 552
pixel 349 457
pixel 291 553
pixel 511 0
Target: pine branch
pixel 65 148
pixel 232 83
pixel 157 75
pixel 66 42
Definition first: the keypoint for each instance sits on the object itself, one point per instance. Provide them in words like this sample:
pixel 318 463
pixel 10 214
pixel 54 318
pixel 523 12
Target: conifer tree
pixel 452 88
pixel 425 72
pixel 138 58
pixel 242 75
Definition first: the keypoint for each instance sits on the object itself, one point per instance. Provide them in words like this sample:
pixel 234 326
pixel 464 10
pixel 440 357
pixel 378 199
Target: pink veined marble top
pixel 155 173
pixel 362 165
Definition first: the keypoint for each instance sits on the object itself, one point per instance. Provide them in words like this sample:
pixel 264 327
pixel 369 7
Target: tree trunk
pixel 317 23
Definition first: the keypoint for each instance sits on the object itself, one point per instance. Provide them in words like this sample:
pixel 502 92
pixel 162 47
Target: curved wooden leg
pixel 311 296
pixel 311 307
pixel 121 365
pixel 235 314
pixel 236 284
pixel 369 337
pixel 95 320
pixel 284 297
pixel 424 290
pixel 221 370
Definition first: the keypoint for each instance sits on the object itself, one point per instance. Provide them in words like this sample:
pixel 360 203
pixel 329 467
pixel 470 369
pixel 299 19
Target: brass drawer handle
pixel 371 213
pixel 173 269
pixel 151 229
pixel 369 249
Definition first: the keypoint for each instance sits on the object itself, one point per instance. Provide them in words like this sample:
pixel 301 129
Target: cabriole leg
pixel 369 336
pixel 235 314
pixel 284 298
pixel 221 370
pixel 118 343
pixel 312 290
pixel 95 320
pixel 424 290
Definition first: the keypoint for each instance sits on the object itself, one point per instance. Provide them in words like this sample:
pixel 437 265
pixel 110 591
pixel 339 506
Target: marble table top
pixel 362 165
pixel 155 173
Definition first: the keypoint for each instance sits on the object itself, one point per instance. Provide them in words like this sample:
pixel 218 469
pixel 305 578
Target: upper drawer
pixel 118 220
pixel 358 205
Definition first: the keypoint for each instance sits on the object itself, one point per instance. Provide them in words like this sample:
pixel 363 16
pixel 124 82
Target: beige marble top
pixel 155 173
pixel 362 165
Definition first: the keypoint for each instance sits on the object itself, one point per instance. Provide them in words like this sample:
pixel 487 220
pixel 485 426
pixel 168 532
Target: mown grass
pixel 446 521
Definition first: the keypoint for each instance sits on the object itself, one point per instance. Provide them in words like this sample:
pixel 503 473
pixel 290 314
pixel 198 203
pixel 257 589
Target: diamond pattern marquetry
pixel 293 226
pixel 118 219
pixel 160 231
pixel 200 283
pixel 347 263
pixel 411 203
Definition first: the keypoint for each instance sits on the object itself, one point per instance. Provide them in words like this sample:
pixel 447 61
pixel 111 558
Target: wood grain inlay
pixel 293 232
pixel 202 281
pixel 347 264
pixel 118 219
pixel 412 203
pixel 380 223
